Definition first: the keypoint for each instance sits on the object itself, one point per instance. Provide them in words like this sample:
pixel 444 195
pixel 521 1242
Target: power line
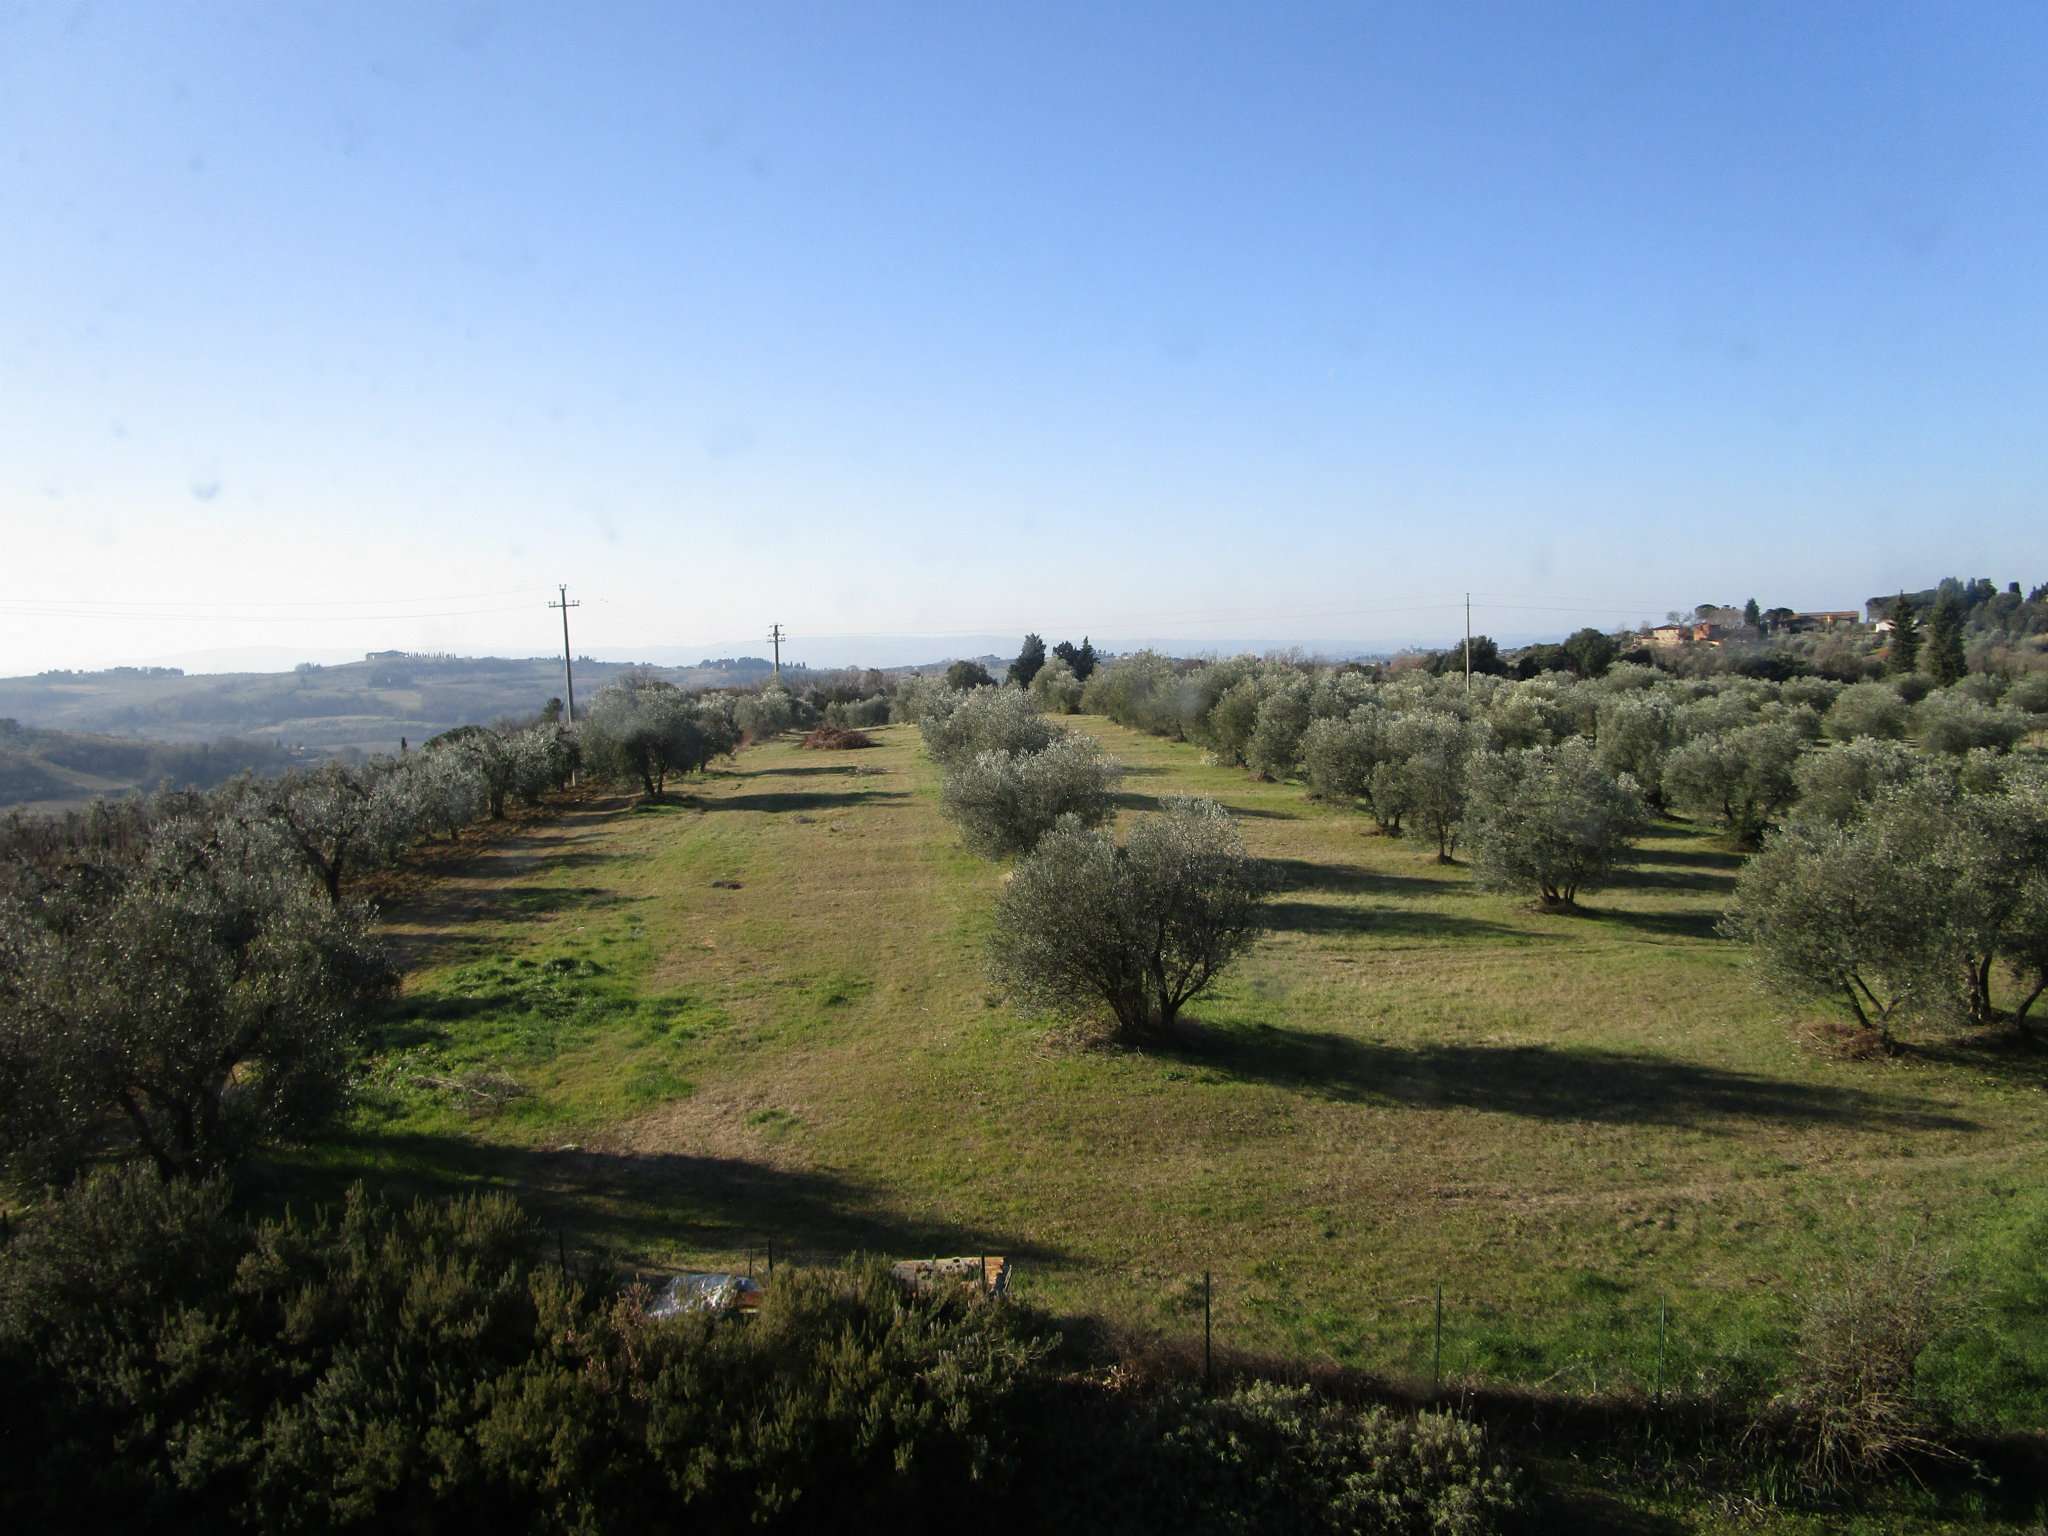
pixel 259 602
pixel 36 612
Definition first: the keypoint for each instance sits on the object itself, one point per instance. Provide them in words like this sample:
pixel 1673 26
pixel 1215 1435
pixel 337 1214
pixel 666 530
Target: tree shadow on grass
pixel 803 800
pixel 1354 880
pixel 547 858
pixel 1677 925
pixel 641 1207
pixel 1649 877
pixel 805 771
pixel 1389 922
pixel 1542 1083
pixel 1133 800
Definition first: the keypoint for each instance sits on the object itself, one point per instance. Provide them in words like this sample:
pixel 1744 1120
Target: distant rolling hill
pixel 48 770
pixel 68 736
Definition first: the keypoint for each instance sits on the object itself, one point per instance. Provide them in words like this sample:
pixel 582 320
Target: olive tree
pixel 1430 751
pixel 1345 759
pixel 489 757
pixel 1951 721
pixel 543 756
pixel 338 819
pixel 1744 776
pixel 1004 802
pixel 1055 689
pixel 1139 930
pixel 1634 737
pixel 1549 819
pixel 1867 709
pixel 1852 913
pixel 194 998
pixel 1274 750
pixel 958 727
pixel 1840 783
pixel 644 728
pixel 1993 864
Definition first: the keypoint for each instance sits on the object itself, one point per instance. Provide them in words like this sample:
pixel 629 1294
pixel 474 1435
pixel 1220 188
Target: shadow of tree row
pixel 1542 1083
pixel 647 1204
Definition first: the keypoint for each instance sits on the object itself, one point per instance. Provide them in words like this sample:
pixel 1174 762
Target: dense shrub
pixel 1273 1458
pixel 172 1365
pixel 1857 1409
pixel 1055 689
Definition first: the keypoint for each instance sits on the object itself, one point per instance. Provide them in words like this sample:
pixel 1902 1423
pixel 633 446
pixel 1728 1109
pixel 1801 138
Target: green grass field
pixel 756 1017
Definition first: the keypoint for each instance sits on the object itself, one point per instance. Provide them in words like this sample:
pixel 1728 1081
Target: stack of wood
pixel 989 1274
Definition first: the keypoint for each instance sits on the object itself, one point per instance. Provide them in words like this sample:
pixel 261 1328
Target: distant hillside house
pixel 1828 618
pixel 1669 637
pixel 1876 608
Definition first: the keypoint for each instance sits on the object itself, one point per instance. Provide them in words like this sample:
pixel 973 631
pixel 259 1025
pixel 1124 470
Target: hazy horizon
pixel 360 327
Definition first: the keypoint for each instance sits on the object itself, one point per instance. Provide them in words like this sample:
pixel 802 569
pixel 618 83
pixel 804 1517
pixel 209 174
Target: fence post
pixel 1208 1361
pixel 1437 1369
pixel 1662 1300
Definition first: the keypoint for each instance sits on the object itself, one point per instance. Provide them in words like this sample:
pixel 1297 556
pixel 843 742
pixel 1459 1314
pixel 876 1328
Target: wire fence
pixel 1617 1342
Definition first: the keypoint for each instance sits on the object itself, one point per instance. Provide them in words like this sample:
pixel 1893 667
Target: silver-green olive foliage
pixel 1004 802
pixel 646 729
pixel 959 726
pixel 1742 776
pixel 192 994
pixel 1055 689
pixel 1433 749
pixel 1867 709
pixel 1951 721
pixel 1086 927
pixel 1850 913
pixel 1549 820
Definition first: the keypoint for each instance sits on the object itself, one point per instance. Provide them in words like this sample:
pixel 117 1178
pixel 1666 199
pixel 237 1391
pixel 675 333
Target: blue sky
pixel 324 328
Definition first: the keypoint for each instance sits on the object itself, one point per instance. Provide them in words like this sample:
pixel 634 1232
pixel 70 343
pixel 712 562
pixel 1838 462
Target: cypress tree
pixel 1905 637
pixel 1945 641
pixel 1028 661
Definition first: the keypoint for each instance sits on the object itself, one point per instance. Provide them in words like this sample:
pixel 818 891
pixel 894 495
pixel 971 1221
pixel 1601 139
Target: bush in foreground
pixel 173 1366
pixel 1085 926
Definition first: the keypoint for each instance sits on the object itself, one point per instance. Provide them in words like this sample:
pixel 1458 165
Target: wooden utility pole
pixel 1468 645
pixel 775 638
pixel 568 671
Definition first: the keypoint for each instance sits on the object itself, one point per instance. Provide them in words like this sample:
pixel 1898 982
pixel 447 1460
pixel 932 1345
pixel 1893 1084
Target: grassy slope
pixel 1558 1119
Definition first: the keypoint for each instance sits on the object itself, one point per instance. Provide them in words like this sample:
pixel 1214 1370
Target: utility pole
pixel 1468 645
pixel 775 638
pixel 568 672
